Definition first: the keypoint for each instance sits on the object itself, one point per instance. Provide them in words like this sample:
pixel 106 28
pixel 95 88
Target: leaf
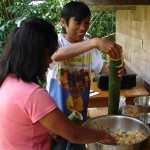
pixel 2 28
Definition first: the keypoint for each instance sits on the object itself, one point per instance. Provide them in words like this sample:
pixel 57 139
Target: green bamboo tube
pixel 76 117
pixel 114 87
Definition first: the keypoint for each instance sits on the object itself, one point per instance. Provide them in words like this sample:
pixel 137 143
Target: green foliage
pixel 8 15
pixel 17 9
pixel 102 24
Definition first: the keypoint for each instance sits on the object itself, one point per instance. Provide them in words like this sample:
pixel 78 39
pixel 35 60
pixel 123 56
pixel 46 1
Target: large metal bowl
pixel 142 103
pixel 113 122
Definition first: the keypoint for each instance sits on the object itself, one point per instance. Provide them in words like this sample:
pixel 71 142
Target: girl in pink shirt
pixel 27 112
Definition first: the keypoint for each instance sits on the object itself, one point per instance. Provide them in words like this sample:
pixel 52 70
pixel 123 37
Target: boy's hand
pixel 121 71
pixel 108 47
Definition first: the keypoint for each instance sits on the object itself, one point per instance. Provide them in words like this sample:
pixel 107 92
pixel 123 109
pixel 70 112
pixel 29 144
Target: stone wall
pixel 133 34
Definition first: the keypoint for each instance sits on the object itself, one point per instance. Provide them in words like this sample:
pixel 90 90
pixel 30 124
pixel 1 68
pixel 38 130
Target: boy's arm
pixel 75 49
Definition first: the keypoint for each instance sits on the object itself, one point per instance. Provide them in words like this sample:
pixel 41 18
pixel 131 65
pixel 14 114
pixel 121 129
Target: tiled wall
pixel 133 34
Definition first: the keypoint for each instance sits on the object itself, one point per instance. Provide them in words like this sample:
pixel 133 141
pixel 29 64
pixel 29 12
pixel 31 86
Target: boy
pixel 68 78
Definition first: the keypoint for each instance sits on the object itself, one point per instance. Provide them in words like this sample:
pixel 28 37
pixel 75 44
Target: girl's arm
pixel 59 124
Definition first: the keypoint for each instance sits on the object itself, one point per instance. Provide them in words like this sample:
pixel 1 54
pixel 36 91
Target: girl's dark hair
pixel 79 10
pixel 27 50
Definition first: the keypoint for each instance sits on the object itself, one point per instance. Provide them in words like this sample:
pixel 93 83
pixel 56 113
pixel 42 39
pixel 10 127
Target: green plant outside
pixel 102 23
pixel 16 9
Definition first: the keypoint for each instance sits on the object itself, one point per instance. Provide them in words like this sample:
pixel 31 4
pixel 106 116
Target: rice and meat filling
pixel 127 138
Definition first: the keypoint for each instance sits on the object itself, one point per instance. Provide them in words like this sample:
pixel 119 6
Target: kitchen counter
pixel 101 99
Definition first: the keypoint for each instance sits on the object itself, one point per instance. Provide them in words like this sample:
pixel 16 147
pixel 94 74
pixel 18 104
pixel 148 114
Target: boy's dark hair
pixel 79 10
pixel 26 50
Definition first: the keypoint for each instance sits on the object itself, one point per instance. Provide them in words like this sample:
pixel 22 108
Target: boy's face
pixel 75 30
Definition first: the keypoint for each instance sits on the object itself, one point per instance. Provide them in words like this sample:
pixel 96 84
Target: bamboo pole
pixel 114 87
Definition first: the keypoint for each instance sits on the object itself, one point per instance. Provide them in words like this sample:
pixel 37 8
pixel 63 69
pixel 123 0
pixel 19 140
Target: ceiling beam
pixel 112 7
pixel 116 2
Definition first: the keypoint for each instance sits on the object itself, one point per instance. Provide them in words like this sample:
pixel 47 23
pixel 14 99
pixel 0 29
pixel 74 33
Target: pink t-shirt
pixel 21 106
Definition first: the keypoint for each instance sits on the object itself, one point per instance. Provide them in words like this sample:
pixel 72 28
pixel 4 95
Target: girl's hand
pixel 110 140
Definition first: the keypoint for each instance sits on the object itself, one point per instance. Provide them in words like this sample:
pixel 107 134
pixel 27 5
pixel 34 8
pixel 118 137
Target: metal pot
pixel 144 117
pixel 113 122
pixel 142 103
